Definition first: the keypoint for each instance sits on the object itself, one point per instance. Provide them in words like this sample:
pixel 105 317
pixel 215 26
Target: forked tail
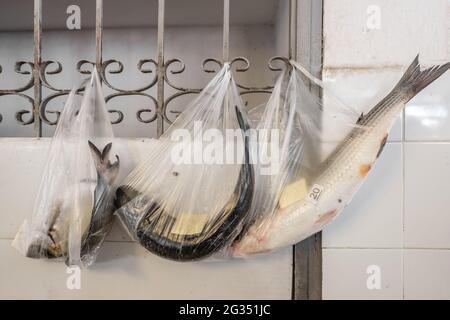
pixel 415 80
pixel 105 169
pixel 412 82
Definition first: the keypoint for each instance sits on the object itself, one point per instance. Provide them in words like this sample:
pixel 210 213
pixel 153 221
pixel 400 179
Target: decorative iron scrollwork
pixel 19 68
pixel 146 66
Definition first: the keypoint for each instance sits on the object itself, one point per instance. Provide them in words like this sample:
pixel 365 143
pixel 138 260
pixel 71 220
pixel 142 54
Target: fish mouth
pixel 44 246
pixel 152 229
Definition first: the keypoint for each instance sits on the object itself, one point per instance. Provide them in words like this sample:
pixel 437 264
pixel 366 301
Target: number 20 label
pixel 314 194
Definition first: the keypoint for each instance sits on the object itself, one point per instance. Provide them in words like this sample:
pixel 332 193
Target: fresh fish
pixel 102 213
pixel 341 174
pixel 153 228
pixel 53 243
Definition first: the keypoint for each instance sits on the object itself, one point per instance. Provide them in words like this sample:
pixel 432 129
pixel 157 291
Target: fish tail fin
pixel 101 214
pixel 245 127
pixel 243 123
pixel 415 80
pixel 105 169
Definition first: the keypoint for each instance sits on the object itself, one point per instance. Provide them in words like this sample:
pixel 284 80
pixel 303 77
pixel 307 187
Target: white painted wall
pixel 282 29
pixel 400 219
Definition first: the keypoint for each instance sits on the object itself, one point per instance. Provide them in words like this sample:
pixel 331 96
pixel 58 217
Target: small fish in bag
pixel 74 206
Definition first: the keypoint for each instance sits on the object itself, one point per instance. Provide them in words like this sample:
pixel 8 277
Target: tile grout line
pixel 326 248
pixel 323 247
pixel 389 248
pixel 426 141
pixel 110 241
pixel 407 142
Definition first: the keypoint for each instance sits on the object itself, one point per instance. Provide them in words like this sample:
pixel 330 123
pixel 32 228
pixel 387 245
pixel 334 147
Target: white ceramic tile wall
pixel 124 269
pixel 428 115
pixel 346 272
pixel 360 90
pixel 427 210
pixel 426 274
pixel 400 219
pixel 353 37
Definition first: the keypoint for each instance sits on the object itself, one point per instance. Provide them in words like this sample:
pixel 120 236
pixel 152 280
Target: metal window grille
pixel 39 69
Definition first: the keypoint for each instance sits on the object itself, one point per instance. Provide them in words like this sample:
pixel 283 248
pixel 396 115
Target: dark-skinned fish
pixel 54 242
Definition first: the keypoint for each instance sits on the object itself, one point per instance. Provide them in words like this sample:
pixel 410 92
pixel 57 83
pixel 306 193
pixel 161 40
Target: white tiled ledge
pixel 124 269
pixel 127 271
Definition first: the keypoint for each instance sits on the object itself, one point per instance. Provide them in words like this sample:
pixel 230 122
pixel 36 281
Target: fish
pixel 102 213
pixel 341 174
pixel 52 241
pixel 153 228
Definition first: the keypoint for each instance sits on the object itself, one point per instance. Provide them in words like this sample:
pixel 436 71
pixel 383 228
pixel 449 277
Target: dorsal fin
pixel 360 119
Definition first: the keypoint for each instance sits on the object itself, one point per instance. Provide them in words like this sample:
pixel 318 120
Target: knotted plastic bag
pixel 277 144
pixel 312 122
pixel 280 148
pixel 74 206
pixel 190 197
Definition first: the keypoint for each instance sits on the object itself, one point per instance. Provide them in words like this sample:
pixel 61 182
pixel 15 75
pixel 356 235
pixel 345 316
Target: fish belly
pixel 338 183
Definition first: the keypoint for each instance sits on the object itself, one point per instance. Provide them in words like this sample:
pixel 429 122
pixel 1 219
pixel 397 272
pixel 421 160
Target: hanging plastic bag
pixel 277 145
pixel 74 207
pixel 334 148
pixel 191 195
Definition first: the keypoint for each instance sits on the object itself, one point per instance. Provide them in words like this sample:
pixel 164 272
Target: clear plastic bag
pixel 191 196
pixel 74 207
pixel 332 149
pixel 277 145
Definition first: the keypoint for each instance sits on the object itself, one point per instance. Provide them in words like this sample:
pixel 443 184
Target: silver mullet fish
pixel 342 172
